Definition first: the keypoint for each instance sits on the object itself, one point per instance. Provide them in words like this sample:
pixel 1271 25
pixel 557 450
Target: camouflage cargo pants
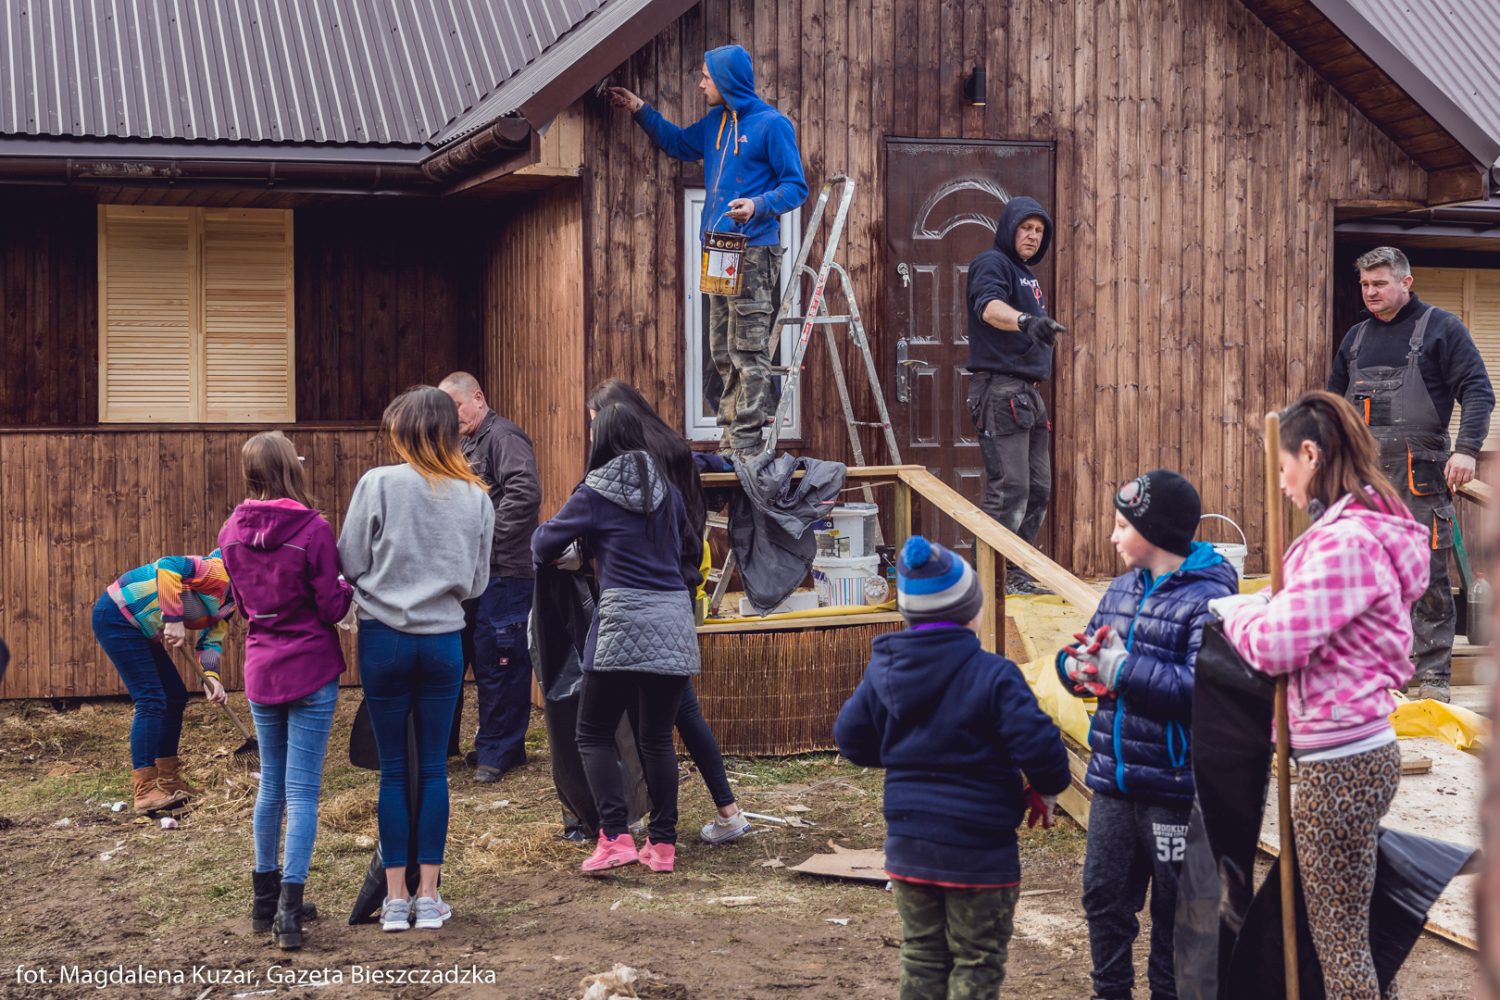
pixel 955 940
pixel 740 337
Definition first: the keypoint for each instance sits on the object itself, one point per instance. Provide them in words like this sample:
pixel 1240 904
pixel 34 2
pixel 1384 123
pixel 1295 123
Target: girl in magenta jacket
pixel 1340 629
pixel 281 556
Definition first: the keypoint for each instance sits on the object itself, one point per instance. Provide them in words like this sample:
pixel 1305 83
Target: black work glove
pixel 1042 330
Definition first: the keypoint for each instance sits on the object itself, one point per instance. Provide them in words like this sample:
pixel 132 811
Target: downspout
pixel 496 142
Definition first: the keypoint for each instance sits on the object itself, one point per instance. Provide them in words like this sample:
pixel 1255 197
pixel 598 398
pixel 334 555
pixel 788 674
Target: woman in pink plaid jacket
pixel 1340 628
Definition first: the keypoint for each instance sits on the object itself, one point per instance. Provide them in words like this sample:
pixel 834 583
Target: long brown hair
pixel 422 425
pixel 1349 459
pixel 272 469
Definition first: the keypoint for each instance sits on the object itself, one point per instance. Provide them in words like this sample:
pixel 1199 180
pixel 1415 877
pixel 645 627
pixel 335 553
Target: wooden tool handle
pixel 201 679
pixel 1288 859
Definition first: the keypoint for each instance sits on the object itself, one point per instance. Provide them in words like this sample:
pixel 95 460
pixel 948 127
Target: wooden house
pixel 281 215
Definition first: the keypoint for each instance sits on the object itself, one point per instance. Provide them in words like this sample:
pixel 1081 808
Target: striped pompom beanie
pixel 934 585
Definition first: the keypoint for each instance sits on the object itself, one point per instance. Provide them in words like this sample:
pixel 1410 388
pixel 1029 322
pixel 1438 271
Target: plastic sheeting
pixel 1454 725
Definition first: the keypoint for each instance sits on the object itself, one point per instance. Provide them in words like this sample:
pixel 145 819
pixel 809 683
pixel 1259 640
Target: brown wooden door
pixel 942 200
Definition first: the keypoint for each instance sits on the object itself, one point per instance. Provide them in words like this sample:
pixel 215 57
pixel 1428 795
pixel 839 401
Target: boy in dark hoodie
pixel 954 727
pixel 1137 658
pixel 753 173
pixel 1010 350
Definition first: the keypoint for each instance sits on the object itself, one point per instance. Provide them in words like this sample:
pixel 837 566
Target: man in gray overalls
pixel 1403 369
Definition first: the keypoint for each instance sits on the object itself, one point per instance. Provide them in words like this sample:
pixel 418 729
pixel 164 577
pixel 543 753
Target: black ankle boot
pixel 267 893
pixel 288 930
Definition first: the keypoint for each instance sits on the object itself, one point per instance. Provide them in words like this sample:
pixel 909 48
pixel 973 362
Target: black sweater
pixel 1450 365
pixel 999 273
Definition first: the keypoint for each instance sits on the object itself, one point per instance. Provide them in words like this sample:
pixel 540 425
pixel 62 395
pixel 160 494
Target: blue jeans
pixel 150 677
pixel 418 675
pixel 502 671
pixel 293 740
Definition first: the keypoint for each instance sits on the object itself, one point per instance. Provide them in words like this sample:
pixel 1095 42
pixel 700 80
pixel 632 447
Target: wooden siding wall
pixel 533 343
pixel 77 508
pixel 1197 159
pixel 387 295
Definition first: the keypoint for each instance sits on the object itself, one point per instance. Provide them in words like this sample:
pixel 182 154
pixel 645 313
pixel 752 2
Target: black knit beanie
pixel 1164 508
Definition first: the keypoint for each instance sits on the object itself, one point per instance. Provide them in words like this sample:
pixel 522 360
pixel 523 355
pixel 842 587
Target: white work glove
pixel 572 557
pixel 350 622
pixel 1224 608
pixel 1101 657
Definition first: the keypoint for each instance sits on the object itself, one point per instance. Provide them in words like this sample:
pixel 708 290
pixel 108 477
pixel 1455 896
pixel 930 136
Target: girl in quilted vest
pixel 1340 628
pixel 1138 660
pixel 642 649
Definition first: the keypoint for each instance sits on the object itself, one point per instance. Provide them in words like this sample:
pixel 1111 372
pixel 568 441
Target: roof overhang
pixel 1390 90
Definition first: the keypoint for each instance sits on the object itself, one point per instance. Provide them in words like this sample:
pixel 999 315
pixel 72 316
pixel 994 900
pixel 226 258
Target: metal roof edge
pixel 595 31
pixel 1479 144
pixel 71 147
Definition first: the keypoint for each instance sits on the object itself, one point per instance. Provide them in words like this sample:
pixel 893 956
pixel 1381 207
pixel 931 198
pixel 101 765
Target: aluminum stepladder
pixel 817 315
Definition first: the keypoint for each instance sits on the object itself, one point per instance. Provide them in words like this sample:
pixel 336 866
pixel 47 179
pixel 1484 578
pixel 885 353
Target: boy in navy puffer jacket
pixel 954 727
pixel 1138 660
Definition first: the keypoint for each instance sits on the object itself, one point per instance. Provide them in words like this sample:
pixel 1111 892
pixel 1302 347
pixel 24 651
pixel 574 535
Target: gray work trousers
pixel 1433 618
pixel 1013 430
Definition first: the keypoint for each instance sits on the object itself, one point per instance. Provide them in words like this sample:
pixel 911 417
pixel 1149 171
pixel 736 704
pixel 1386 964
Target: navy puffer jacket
pixel 1140 735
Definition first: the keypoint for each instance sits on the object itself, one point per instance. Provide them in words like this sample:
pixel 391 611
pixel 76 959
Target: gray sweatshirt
pixel 413 552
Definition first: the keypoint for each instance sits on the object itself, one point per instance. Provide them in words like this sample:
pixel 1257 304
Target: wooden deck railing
pixel 993 544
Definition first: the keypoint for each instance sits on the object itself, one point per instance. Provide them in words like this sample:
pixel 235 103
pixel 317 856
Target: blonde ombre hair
pixel 422 425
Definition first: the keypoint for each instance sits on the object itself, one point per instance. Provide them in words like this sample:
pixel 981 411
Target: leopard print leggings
pixel 1337 810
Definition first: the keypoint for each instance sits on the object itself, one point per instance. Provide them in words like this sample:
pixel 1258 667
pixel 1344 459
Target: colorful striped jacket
pixel 193 590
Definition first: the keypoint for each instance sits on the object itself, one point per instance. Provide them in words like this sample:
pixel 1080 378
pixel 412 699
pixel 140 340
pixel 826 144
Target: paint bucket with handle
pixel 1234 553
pixel 723 262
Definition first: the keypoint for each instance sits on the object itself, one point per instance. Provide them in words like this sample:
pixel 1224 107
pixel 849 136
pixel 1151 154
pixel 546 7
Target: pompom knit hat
pixel 934 585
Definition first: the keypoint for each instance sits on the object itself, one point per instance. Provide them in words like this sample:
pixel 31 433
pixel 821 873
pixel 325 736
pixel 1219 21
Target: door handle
pixel 905 273
pixel 903 363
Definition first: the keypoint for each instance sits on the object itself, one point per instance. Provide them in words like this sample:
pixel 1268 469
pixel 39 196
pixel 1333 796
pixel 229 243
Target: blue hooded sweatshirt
pixel 954 727
pixel 1000 273
pixel 748 149
pixel 1140 736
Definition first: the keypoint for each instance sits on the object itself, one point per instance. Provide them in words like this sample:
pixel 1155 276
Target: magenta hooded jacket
pixel 284 567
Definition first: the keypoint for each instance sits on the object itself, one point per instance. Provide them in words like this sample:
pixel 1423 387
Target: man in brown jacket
pixel 500 453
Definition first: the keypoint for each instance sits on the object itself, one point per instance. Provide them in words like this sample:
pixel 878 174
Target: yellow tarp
pixel 1456 726
pixel 1047 624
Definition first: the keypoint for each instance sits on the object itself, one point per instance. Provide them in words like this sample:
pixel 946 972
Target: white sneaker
pixel 725 828
pixel 431 913
pixel 395 914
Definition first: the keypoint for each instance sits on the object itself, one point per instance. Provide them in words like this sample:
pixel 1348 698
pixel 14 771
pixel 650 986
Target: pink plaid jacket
pixel 1341 626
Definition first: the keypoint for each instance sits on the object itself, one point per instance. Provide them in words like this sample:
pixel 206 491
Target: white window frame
pixel 700 427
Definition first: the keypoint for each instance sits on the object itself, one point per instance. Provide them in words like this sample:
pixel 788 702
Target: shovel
pixel 250 747
pixel 1283 727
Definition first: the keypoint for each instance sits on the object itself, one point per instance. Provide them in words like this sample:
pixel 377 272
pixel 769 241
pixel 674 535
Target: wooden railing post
pixel 991 627
pixel 902 515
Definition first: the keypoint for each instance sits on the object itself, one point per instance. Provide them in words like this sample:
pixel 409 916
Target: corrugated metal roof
pixel 320 71
pixel 1455 43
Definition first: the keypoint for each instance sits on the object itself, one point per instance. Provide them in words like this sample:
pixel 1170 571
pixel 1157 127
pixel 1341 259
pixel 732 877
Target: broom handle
pixel 201 677
pixel 1283 734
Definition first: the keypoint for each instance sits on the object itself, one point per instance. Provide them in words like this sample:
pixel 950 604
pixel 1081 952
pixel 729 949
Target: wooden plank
pixel 991 631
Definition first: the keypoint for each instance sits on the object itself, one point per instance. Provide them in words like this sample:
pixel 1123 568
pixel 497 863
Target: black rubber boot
pixel 267 894
pixel 288 928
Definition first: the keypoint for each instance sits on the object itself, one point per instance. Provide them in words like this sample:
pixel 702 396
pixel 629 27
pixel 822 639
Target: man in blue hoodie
pixel 753 173
pixel 1011 339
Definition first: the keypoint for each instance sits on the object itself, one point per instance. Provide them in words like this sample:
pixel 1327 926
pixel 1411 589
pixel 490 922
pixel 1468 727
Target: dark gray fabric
pixel 500 453
pixel 648 631
pixel 768 521
pixel 1013 429
pixel 619 482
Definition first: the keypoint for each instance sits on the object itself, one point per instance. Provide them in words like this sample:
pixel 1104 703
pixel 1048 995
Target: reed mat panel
pixel 776 693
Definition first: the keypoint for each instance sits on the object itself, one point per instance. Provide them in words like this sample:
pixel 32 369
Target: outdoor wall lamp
pixel 974 88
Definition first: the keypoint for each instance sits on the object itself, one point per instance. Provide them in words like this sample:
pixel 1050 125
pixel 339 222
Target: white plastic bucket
pixel 848 532
pixel 1234 553
pixel 841 582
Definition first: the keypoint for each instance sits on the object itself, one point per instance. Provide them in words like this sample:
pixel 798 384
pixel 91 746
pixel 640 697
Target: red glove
pixel 1039 807
pixel 1083 661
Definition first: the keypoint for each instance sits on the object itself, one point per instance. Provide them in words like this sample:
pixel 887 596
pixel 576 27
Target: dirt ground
pixel 94 895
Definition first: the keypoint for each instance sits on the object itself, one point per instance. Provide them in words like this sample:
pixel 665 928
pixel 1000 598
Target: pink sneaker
pixel 658 857
pixel 612 853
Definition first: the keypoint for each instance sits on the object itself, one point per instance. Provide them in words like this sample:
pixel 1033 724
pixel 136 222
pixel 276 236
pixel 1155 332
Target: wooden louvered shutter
pixel 147 313
pixel 247 315
pixel 1473 295
pixel 196 315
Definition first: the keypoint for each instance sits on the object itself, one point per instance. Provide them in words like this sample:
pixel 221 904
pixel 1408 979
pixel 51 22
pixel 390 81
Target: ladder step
pixel 798 320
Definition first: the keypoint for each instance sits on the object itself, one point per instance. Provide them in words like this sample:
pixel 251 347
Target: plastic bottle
pixel 1479 612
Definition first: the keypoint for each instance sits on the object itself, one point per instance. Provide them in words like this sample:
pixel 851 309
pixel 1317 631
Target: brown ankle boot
pixel 148 797
pixel 171 781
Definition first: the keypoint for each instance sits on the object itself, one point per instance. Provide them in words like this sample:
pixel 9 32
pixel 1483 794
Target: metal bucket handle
pixel 1221 517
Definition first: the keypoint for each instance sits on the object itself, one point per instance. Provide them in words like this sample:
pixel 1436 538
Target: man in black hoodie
pixel 1010 351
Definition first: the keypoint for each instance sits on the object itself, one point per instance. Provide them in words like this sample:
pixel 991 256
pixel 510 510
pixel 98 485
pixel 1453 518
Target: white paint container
pixel 1234 553
pixel 841 582
pixel 848 532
